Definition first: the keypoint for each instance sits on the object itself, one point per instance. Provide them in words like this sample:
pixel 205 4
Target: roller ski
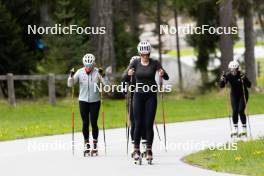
pixel 149 156
pixel 87 149
pixel 94 151
pixel 243 134
pixel 144 146
pixel 234 133
pixel 137 157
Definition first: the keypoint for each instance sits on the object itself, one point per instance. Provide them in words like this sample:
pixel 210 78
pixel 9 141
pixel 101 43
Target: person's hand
pixel 243 76
pixel 71 72
pixel 161 72
pixel 101 72
pixel 131 72
pixel 223 78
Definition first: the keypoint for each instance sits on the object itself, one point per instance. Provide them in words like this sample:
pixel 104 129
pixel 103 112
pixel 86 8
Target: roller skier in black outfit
pixel 145 97
pixel 239 96
pixel 131 80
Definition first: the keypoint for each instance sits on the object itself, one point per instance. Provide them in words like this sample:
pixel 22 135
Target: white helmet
pixel 144 47
pixel 233 65
pixel 133 58
pixel 88 59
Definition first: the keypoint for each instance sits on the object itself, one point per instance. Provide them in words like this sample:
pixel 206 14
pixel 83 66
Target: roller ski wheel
pixel 94 153
pixel 86 153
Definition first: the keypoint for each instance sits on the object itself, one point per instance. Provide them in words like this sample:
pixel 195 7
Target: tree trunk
pixel 249 45
pixel 226 41
pixel 102 46
pixel 178 49
pixel 158 26
pixel 133 16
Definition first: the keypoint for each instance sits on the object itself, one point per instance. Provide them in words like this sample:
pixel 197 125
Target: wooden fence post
pixel 52 90
pixel 11 89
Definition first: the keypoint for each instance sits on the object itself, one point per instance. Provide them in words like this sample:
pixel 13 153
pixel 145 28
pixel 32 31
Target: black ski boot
pixel 137 156
pixel 149 156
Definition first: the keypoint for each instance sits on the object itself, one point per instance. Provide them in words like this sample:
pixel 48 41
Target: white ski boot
pixel 144 148
pixel 234 133
pixel 243 134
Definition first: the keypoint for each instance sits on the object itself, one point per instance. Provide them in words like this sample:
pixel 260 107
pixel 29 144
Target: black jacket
pixel 235 82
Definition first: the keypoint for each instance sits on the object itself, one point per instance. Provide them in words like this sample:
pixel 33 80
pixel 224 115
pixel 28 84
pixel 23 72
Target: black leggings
pixel 89 110
pixel 238 106
pixel 132 122
pixel 145 106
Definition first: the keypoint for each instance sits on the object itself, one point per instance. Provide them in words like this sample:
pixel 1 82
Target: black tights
pixel 238 106
pixel 89 111
pixel 145 106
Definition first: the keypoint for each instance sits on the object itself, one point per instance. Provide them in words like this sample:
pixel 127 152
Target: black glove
pixel 243 76
pixel 101 71
pixel 72 72
pixel 223 77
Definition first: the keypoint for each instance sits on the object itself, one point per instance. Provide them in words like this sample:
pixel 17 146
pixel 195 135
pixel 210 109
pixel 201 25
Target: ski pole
pixel 72 97
pixel 246 109
pixel 228 107
pixel 157 130
pixel 103 118
pixel 129 97
pixel 163 114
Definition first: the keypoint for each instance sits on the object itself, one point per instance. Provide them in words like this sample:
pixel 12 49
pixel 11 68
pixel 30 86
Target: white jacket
pixel 89 92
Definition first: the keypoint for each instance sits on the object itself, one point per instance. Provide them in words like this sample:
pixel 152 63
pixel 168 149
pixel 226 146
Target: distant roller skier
pixel 239 96
pixel 89 99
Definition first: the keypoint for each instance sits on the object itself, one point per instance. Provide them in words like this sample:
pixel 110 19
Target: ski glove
pixel 72 72
pixel 101 72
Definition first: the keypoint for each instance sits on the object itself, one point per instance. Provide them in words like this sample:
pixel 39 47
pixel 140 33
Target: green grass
pixel 37 118
pixel 248 159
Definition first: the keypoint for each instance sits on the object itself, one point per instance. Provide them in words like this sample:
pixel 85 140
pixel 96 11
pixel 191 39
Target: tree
pixel 14 55
pixel 101 15
pixel 226 41
pixel 246 10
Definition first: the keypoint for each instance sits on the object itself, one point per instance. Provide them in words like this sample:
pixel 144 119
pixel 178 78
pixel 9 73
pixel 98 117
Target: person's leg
pixel 241 110
pixel 84 111
pixel 150 107
pixel 138 107
pixel 235 106
pixel 94 114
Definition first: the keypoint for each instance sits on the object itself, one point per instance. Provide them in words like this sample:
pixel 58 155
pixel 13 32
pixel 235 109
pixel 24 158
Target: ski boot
pixel 132 153
pixel 234 134
pixel 87 149
pixel 136 156
pixel 149 156
pixel 144 146
pixel 243 134
pixel 94 151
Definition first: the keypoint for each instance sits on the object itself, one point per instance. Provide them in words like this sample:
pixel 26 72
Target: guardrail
pixel 50 78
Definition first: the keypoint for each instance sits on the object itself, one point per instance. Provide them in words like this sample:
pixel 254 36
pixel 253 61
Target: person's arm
pixel 102 77
pixel 223 81
pixel 246 81
pixel 73 78
pixel 165 75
